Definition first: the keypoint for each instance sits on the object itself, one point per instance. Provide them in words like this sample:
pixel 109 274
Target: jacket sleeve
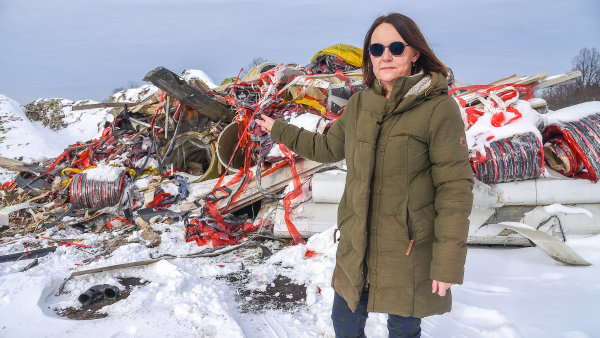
pixel 453 180
pixel 324 148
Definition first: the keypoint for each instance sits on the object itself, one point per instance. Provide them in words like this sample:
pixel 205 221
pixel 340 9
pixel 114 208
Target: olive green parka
pixel 408 178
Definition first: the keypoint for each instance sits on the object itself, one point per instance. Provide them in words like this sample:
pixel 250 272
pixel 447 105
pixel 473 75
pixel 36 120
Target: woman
pixel 403 215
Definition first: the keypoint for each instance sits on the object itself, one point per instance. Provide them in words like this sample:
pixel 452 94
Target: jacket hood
pixel 409 91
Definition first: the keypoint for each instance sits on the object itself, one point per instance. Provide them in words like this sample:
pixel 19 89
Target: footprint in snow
pixel 484 322
pixel 481 288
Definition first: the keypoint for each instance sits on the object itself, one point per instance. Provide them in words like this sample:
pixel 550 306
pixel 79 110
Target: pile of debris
pixel 193 154
pixel 149 162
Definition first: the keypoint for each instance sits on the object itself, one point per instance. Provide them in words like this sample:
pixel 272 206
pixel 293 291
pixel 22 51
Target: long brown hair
pixel 411 33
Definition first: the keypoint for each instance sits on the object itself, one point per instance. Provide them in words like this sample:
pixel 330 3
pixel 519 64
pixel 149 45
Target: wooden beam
pixel 103 105
pixel 184 92
pixel 557 79
pixel 10 164
pixel 271 183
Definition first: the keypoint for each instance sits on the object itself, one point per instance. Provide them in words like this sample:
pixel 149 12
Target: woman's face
pixel 387 68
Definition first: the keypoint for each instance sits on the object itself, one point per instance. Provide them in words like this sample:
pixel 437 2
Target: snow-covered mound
pixel 29 141
pixel 133 94
pixel 195 74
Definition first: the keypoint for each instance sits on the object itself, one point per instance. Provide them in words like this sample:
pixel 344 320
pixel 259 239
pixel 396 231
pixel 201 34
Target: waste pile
pixel 196 155
pixel 146 162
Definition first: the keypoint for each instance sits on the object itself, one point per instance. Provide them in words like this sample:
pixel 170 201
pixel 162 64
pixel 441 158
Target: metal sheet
pixel 552 246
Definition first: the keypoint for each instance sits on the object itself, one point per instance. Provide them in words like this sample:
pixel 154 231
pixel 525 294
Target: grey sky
pixel 84 49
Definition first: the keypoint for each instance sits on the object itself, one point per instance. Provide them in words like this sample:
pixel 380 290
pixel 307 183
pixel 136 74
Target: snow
pixel 571 113
pixel 170 188
pixel 307 121
pixel 563 209
pixel 519 225
pixel 133 94
pixel 196 74
pixel 104 173
pixel 537 101
pixel 482 133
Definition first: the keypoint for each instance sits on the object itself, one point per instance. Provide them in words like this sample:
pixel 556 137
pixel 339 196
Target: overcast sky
pixel 83 49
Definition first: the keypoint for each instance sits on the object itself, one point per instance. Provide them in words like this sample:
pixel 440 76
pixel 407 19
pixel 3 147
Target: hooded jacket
pixel 409 179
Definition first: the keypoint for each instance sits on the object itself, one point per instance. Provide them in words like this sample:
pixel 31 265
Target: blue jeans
pixel 352 324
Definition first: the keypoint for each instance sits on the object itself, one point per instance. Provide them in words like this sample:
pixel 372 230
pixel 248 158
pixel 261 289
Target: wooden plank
pixel 271 183
pixel 557 79
pixel 103 105
pixel 504 80
pixel 471 96
pixel 191 96
pixel 204 253
pixel 10 164
pixel 532 79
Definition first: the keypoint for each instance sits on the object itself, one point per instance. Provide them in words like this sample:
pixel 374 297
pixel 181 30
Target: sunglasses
pixel 396 48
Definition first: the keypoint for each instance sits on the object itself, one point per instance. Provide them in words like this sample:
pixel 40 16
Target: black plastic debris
pixel 97 293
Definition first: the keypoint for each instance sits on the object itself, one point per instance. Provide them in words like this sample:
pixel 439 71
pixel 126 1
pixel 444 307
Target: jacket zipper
pixel 410 230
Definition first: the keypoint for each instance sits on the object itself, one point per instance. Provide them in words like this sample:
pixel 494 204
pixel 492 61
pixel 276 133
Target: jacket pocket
pixel 408 224
pixel 411 229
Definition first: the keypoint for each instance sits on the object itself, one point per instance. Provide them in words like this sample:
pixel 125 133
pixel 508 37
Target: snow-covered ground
pixel 508 292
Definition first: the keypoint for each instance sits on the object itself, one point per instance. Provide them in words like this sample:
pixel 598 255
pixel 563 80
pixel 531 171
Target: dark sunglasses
pixel 396 48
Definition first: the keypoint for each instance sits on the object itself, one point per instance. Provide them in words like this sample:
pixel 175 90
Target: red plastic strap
pixel 8 185
pixel 86 159
pixel 61 242
pixel 274 168
pixel 290 196
pixel 109 224
pixel 521 88
pixel 341 76
pixel 178 111
pixel 467 88
pixel 216 214
pixel 461 101
pixel 57 161
pixel 156 202
pixel 498 119
pixel 245 173
pixel 238 76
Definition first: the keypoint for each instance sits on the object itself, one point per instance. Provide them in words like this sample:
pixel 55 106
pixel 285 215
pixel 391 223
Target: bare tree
pixel 588 63
pixel 255 62
pixel 585 88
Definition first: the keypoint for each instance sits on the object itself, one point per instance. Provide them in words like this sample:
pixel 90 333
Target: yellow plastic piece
pixel 352 55
pixel 313 103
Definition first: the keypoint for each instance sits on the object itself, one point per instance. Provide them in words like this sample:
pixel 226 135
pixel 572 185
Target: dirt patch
pixel 91 311
pixel 281 294
pixel 48 111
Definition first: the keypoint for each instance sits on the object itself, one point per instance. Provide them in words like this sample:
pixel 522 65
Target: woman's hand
pixel 265 123
pixel 440 287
